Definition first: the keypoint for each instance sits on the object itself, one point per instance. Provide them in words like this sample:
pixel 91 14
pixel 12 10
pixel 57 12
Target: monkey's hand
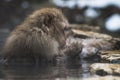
pixel 73 50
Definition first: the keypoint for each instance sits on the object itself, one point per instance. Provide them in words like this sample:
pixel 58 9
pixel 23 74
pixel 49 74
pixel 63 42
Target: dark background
pixel 13 12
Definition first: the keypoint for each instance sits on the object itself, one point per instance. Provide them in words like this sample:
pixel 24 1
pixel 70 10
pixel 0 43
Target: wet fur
pixel 38 38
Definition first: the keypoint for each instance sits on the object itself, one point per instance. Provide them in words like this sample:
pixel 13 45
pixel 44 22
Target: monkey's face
pixel 56 23
pixel 57 30
pixel 52 22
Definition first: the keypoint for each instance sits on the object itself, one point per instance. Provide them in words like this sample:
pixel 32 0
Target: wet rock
pixel 90 34
pixel 105 69
pixel 110 56
pixel 104 78
pixel 85 27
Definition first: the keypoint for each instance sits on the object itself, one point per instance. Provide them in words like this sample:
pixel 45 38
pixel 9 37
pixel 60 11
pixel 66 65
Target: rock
pixel 105 69
pixel 85 27
pixel 90 34
pixel 110 56
pixel 104 78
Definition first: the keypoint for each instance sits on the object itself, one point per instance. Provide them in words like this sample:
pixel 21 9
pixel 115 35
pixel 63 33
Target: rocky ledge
pixel 105 69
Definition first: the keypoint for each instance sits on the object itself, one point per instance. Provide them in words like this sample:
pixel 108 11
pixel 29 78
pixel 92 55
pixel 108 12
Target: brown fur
pixel 39 37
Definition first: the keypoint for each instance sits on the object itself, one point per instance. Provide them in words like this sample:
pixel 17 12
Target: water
pixel 46 72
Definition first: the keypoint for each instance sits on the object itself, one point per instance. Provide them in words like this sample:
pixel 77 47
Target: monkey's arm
pixel 73 50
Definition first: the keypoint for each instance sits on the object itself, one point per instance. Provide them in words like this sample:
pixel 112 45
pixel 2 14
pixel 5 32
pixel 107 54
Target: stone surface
pixel 91 34
pixel 110 56
pixel 105 69
pixel 85 27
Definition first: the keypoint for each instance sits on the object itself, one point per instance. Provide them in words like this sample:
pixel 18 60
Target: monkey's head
pixel 52 22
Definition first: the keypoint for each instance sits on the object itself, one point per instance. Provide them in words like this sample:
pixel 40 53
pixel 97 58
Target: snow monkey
pixel 40 37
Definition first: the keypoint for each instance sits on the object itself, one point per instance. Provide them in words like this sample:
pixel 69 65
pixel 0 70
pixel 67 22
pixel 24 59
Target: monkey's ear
pixel 47 19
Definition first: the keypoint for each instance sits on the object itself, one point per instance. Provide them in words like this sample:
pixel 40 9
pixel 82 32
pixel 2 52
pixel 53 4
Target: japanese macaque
pixel 39 38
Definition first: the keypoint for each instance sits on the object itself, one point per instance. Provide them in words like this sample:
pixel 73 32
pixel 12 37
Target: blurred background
pixel 102 13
